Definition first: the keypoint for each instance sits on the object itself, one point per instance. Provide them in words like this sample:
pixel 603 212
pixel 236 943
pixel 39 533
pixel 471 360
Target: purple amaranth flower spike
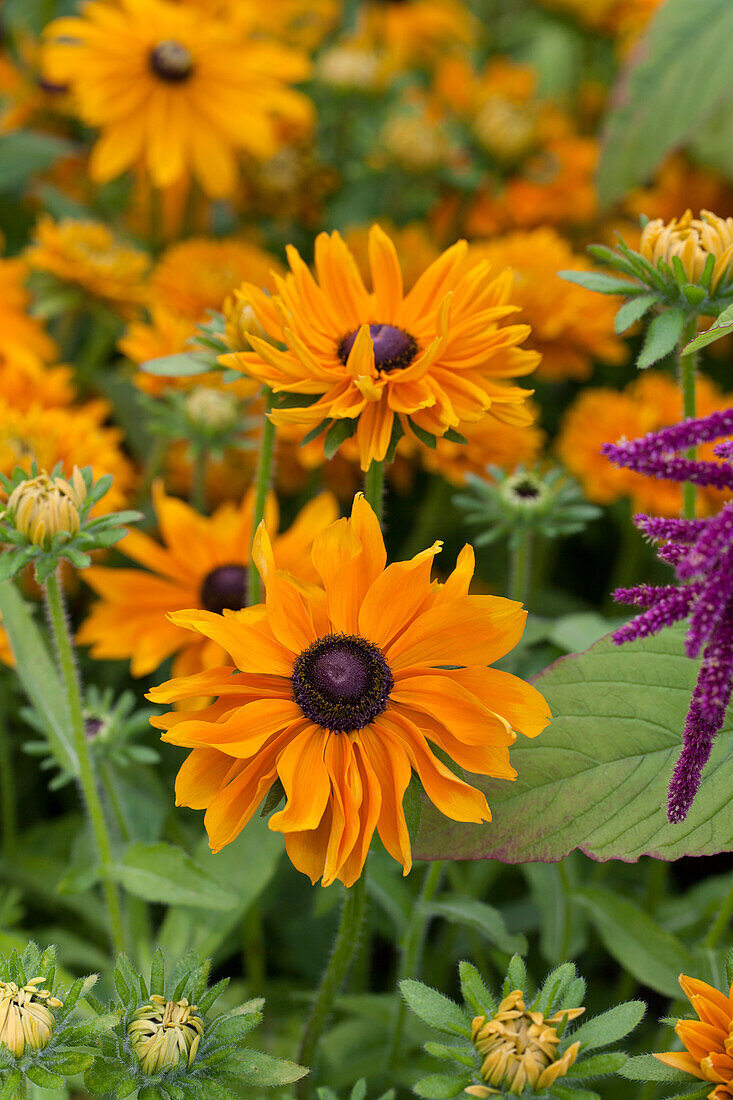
pixel 701 551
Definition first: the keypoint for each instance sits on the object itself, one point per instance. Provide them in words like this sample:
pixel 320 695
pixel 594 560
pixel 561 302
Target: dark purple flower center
pixel 171 61
pixel 341 682
pixel 394 349
pixel 225 588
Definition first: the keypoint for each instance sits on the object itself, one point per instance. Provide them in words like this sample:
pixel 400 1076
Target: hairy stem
pixel 67 664
pixel 686 374
pixel 374 489
pixel 262 484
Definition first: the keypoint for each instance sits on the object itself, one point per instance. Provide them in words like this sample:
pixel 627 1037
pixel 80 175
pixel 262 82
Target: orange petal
pixel 244 637
pixel 396 596
pixel 306 781
pixel 473 631
pixel 288 614
pixel 446 700
pixel 386 275
pixel 683 1061
pixel 522 705
pixel 393 773
pixel 242 732
pixel 200 776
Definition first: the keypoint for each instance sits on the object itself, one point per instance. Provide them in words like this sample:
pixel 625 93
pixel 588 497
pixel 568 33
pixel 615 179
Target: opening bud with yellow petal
pixel 518 1044
pixel 683 271
pixel 48 518
pixel 164 1032
pixel 26 1019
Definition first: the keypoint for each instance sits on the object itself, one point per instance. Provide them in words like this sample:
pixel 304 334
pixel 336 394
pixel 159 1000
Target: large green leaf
pixel 165 873
pixel 596 779
pixel 677 76
pixel 38 675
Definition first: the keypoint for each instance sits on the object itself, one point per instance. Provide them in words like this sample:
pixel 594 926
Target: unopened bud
pixel 163 1033
pixel 25 1017
pixel 42 506
pixel 212 410
pixel 239 322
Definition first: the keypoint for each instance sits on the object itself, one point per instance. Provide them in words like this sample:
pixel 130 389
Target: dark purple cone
pixel 394 349
pixel 225 589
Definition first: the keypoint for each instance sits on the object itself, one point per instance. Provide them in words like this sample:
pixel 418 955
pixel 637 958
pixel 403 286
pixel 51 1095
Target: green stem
pixel 411 950
pixel 345 944
pixel 67 664
pixel 520 564
pixel 721 922
pixel 8 804
pixel 262 484
pixel 374 489
pixel 253 949
pixel 198 478
pixel 687 369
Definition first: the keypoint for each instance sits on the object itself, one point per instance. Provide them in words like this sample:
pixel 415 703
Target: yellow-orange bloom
pixel 202 562
pixel 707 1040
pixel 570 329
pixel 22 338
pixel 86 254
pixel 339 692
pixel 601 415
pixel 433 357
pixel 415 31
pixel 176 89
pixel 692 240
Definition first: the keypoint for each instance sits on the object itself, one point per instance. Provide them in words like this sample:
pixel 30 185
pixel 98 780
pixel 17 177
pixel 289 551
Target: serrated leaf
pixel 611 1026
pixel 662 337
pixel 441 1086
pixel 38 675
pixel 162 872
pixel 600 283
pixel 722 327
pixel 435 1009
pixel 683 48
pixel 596 779
pixel 480 917
pixel 632 311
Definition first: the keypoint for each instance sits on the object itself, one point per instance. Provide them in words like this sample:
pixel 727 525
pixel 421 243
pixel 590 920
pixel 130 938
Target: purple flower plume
pixel 701 551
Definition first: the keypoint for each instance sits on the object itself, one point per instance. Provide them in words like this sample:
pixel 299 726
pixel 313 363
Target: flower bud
pixel 505 129
pixel 239 322
pixel 692 240
pixel 163 1032
pixel 350 66
pixel 212 410
pixel 25 1017
pixel 42 506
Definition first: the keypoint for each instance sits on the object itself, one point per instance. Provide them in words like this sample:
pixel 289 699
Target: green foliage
pixel 662 337
pixel 626 708
pixel 162 872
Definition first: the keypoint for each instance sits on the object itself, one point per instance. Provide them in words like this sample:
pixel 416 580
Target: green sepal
pixel 39 1075
pixel 516 975
pixel 632 311
pixel 475 992
pixel 465 1055
pixel 564 1093
pixel 455 437
pixel 662 337
pixel 610 1026
pixel 427 438
pixel 598 1064
pixel 441 1086
pixel 600 283
pixel 184 364
pixel 694 294
pixel 286 400
pixel 324 425
pixel 435 1009
pixel 412 805
pixel 12 1086
pixel 338 433
pixel 645 1067
pixel 397 433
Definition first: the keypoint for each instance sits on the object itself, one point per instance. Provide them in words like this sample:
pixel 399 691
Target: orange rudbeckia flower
pixel 432 358
pixel 338 693
pixel 706 1039
pixel 202 563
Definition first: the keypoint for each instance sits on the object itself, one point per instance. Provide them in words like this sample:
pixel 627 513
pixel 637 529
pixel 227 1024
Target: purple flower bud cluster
pixel 701 552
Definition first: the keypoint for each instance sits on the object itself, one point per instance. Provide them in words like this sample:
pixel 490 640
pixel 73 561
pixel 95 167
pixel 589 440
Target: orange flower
pixel 569 327
pixel 22 338
pixel 602 415
pixel 202 563
pixel 337 693
pixel 706 1039
pixel 432 357
pixel 175 89
pixel 415 31
pixel 414 245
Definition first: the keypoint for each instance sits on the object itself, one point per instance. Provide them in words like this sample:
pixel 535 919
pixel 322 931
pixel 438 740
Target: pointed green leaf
pixel 338 433
pixel 441 1086
pixel 598 1064
pixel 662 337
pixel 480 917
pixel 185 364
pixel 475 992
pixel 633 311
pixel 600 283
pixel 645 1067
pixel 611 1026
pixel 435 1009
pixel 162 872
pixel 722 327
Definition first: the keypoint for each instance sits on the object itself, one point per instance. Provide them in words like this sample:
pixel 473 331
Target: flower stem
pixel 262 484
pixel 721 922
pixel 520 564
pixel 344 948
pixel 67 664
pixel 9 815
pixel 374 489
pixel 410 951
pixel 687 369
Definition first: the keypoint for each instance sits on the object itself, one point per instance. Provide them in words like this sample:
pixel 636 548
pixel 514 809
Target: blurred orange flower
pixel 706 1040
pixel 176 90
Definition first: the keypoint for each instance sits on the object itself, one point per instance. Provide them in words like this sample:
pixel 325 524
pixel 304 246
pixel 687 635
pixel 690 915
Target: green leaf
pixel 39 1075
pixel 165 873
pixel 69 1062
pixel 596 779
pixel 183 365
pixel 262 1069
pixel 157 972
pixel 412 805
pixel 652 954
pixel 610 1026
pixel 12 1086
pixel 338 433
pixel 26 152
pixel 645 1067
pixel 600 283
pixel 686 47
pixel 435 1009
pixel 442 1086
pixel 475 992
pixel 722 327
pixel 598 1064
pixel 481 918
pixel 662 337
pixel 563 1093
pixel 426 438
pixel 729 967
pixel 37 673
pixel 465 1055
pixel 633 311
pixel 552 902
